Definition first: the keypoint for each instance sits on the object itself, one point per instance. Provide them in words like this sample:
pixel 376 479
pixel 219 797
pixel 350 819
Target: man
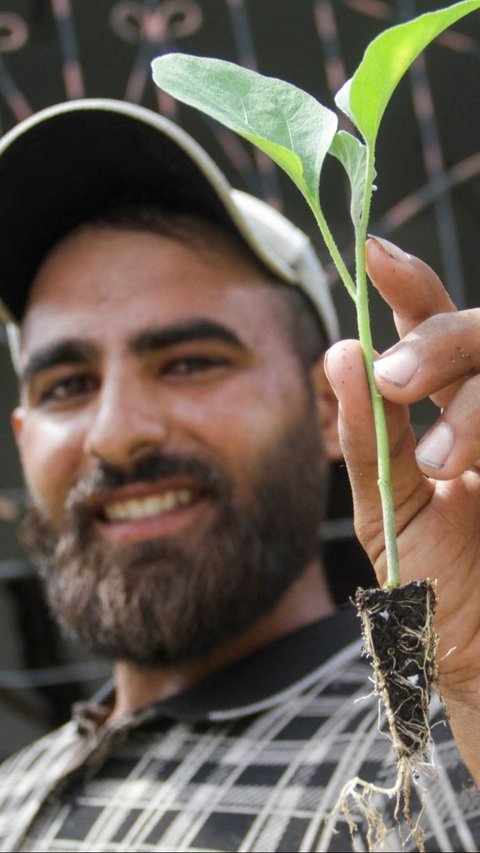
pixel 175 426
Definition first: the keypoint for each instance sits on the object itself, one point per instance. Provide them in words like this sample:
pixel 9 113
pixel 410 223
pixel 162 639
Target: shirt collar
pixel 255 683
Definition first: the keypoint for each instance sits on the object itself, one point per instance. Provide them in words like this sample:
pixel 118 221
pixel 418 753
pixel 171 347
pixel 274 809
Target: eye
pixel 195 364
pixel 68 388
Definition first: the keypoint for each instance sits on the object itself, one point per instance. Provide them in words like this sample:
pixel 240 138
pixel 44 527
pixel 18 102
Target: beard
pixel 174 599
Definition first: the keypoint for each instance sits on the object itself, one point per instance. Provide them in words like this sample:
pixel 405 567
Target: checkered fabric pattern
pixel 264 776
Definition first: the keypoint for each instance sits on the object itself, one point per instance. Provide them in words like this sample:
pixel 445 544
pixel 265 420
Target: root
pixel 356 803
pixel 400 639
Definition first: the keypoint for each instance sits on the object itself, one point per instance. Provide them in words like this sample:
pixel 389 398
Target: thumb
pixel 345 370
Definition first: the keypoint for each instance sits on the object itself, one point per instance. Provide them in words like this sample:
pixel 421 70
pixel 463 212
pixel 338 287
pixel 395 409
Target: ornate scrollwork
pixel 13 32
pixel 172 19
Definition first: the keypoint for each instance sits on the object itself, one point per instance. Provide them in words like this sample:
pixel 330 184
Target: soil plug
pixel 400 640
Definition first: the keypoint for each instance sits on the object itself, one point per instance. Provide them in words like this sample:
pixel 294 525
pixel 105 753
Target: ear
pixel 327 407
pixel 16 420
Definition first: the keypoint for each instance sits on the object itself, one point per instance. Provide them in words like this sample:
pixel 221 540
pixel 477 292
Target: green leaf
pixel 353 156
pixel 288 124
pixel 365 97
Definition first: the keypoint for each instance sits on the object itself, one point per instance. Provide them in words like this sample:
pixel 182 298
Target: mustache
pixel 148 469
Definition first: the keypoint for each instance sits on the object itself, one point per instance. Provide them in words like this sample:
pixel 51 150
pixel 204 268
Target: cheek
pixel 242 421
pixel 51 455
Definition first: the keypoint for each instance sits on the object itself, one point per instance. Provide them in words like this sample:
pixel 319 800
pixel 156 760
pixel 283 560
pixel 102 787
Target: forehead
pixel 105 283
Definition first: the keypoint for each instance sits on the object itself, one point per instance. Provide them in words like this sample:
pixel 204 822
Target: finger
pixel 411 288
pixel 452 445
pixel 433 360
pixel 345 370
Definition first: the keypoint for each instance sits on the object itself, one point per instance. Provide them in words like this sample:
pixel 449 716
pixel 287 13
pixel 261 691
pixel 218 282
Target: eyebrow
pixel 192 330
pixel 151 340
pixel 62 352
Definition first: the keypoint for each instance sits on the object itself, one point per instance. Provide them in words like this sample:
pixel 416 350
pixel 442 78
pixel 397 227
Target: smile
pixel 134 509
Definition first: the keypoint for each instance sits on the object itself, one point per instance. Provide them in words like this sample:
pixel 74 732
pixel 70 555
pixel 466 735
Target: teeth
pixel 148 507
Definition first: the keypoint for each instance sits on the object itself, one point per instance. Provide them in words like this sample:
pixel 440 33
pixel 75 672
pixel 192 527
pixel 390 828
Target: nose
pixel 128 421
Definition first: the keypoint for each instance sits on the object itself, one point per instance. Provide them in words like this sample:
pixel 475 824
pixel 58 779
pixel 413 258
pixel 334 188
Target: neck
pixel 307 600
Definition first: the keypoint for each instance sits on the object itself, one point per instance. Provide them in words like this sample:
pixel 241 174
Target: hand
pixel 437 484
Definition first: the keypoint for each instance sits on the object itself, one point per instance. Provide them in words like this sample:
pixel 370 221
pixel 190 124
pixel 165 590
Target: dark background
pixel 427 200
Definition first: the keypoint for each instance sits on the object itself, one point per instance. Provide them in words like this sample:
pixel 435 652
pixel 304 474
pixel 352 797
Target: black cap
pixel 73 161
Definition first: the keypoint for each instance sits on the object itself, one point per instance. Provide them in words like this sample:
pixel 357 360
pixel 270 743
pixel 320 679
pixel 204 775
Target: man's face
pixel 169 441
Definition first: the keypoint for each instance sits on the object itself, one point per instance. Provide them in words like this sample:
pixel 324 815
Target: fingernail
pixel 391 250
pixel 397 368
pixel 435 448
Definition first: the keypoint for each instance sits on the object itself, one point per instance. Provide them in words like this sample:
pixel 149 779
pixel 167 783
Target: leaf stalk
pixel 332 247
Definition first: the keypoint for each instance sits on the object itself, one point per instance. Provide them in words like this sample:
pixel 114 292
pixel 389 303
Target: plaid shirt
pixel 252 759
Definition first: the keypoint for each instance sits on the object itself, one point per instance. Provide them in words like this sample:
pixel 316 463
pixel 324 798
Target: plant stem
pixel 381 433
pixel 359 292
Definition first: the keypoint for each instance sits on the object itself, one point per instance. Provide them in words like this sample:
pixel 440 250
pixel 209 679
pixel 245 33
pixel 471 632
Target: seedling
pixel 298 133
